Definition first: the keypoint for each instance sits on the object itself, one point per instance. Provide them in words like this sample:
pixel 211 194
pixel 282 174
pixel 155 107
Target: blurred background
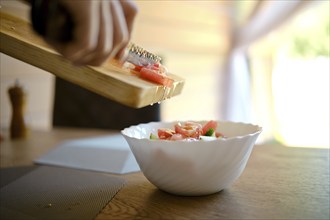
pixel 262 62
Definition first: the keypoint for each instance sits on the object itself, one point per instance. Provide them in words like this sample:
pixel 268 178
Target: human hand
pixel 101 30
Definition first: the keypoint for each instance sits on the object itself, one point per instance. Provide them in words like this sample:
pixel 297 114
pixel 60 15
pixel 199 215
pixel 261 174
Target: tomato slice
pixel 219 135
pixel 189 129
pixel 210 124
pixel 177 137
pixel 154 76
pixel 165 133
pixel 138 68
pixel 156 65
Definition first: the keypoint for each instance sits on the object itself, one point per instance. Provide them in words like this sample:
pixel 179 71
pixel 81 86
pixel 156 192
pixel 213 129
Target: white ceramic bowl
pixel 192 168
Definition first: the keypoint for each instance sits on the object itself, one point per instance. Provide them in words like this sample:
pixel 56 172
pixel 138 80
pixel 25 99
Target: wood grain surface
pixel 110 80
pixel 278 183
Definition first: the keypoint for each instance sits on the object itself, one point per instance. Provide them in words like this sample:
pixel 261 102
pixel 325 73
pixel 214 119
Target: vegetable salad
pixel 189 131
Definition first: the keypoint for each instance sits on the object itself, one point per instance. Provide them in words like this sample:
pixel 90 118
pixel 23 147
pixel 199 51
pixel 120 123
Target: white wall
pixel 38 84
pixel 193 38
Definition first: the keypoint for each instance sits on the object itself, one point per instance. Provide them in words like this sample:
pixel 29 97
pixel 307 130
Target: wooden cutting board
pixel 19 41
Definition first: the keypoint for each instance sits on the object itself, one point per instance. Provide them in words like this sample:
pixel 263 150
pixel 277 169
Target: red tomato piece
pixel 165 133
pixel 189 129
pixel 176 137
pixel 153 67
pixel 155 77
pixel 156 65
pixel 219 135
pixel 138 68
pixel 210 124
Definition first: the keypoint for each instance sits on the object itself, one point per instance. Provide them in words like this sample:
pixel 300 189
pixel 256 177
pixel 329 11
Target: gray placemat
pixel 56 193
pixel 9 174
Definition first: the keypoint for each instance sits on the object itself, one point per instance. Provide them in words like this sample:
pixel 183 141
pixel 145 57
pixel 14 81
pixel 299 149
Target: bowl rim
pixel 257 132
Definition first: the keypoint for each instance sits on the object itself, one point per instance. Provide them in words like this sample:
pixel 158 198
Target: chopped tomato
pixel 165 133
pixel 155 73
pixel 138 68
pixel 156 65
pixel 210 124
pixel 189 129
pixel 154 76
pixel 176 137
pixel 219 135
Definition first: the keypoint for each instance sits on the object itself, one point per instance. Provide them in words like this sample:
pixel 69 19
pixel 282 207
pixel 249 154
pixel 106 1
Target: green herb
pixel 209 132
pixel 153 137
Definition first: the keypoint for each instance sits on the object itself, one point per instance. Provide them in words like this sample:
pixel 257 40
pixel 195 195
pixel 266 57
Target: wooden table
pixel 278 183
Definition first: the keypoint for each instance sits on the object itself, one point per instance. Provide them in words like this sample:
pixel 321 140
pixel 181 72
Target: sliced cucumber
pixel 153 136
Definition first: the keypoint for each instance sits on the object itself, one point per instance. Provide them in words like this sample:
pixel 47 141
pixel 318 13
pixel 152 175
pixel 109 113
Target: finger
pixel 130 10
pixel 122 54
pixel 105 38
pixel 85 33
pixel 120 33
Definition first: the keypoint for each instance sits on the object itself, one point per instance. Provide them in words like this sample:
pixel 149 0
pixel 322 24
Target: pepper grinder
pixel 17 97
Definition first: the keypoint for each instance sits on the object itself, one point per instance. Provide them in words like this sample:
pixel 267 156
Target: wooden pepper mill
pixel 17 97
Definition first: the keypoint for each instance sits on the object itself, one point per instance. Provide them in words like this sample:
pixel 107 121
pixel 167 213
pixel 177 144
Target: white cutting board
pixel 109 153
